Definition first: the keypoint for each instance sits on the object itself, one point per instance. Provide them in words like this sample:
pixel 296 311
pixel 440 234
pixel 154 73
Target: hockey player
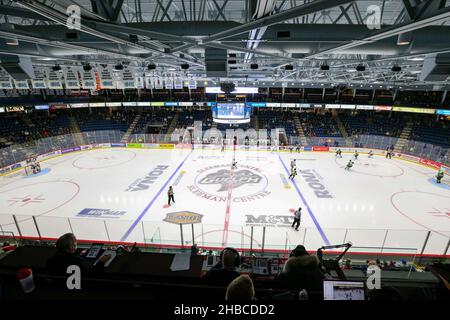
pixel 439 176
pixel 356 155
pixel 234 164
pixel 339 153
pixel 370 154
pixel 291 148
pixel 223 145
pixel 297 148
pixel 349 165
pixel 293 173
pixel 388 153
pixel 293 164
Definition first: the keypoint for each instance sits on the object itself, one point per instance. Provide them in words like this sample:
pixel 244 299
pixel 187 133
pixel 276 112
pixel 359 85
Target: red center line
pixel 228 208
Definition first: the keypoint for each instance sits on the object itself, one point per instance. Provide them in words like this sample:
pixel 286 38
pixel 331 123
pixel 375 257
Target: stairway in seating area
pixel 76 131
pixel 342 129
pixel 299 129
pixel 404 137
pixel 172 127
pixel 255 122
pixel 131 128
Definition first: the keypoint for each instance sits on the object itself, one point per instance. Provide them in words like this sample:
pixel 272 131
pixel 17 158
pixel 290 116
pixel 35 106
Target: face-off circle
pixel 101 159
pixel 38 198
pixel 426 205
pixel 372 167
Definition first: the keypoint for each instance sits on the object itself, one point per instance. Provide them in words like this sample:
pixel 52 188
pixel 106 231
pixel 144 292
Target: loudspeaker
pixel 227 87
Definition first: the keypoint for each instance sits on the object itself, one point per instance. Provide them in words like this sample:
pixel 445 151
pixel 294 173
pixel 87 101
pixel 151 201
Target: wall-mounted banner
pixel 443 112
pixel 256 104
pixel 166 146
pixel 364 107
pixel 97 104
pixel 7 84
pixel 21 84
pixel 129 104
pixel 168 83
pixel 15 109
pixel 348 106
pixel 382 108
pixel 41 107
pixel 320 148
pixel 332 106
pixel 273 105
pixel 90 84
pixel 72 84
pixel 54 84
pixel 38 84
pixel 79 105
pixel 192 84
pixel 415 110
pixel 118 145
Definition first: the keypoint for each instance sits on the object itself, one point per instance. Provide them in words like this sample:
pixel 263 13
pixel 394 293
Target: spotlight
pixel 151 66
pixel 184 66
pixel 325 67
pixel 396 68
pixel 289 67
pixel 360 68
pixel 254 66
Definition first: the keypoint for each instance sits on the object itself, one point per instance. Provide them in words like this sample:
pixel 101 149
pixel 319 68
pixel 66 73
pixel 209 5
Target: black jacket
pixel 58 264
pixel 302 273
pixel 220 277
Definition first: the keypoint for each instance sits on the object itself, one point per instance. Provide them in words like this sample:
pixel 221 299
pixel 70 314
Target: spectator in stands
pixel 194 250
pixel 225 271
pixel 241 288
pixel 67 255
pixel 347 265
pixel 301 271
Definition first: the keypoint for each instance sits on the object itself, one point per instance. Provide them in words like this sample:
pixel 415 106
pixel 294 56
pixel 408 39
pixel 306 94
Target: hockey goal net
pixel 32 166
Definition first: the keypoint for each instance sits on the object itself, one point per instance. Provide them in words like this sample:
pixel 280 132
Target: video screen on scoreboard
pixel 231 112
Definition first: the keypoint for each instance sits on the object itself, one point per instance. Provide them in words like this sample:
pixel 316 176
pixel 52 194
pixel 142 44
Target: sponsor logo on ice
pixel 100 213
pixel 183 217
pixel 151 177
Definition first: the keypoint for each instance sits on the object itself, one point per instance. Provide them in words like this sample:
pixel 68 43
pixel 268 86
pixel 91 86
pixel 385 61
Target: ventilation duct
pixel 19 68
pixel 436 68
pixel 216 62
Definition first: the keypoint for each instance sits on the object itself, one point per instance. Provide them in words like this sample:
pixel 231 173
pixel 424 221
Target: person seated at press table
pixel 241 288
pixel 301 271
pixel 225 271
pixel 67 255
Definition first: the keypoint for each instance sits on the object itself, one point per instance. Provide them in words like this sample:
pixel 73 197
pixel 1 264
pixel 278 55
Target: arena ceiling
pixel 224 40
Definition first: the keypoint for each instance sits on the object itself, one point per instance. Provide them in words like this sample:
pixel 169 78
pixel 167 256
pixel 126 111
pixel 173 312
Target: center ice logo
pixel 246 183
pixel 221 177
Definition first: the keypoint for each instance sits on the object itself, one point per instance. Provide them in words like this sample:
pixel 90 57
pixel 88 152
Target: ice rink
pixel 120 194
